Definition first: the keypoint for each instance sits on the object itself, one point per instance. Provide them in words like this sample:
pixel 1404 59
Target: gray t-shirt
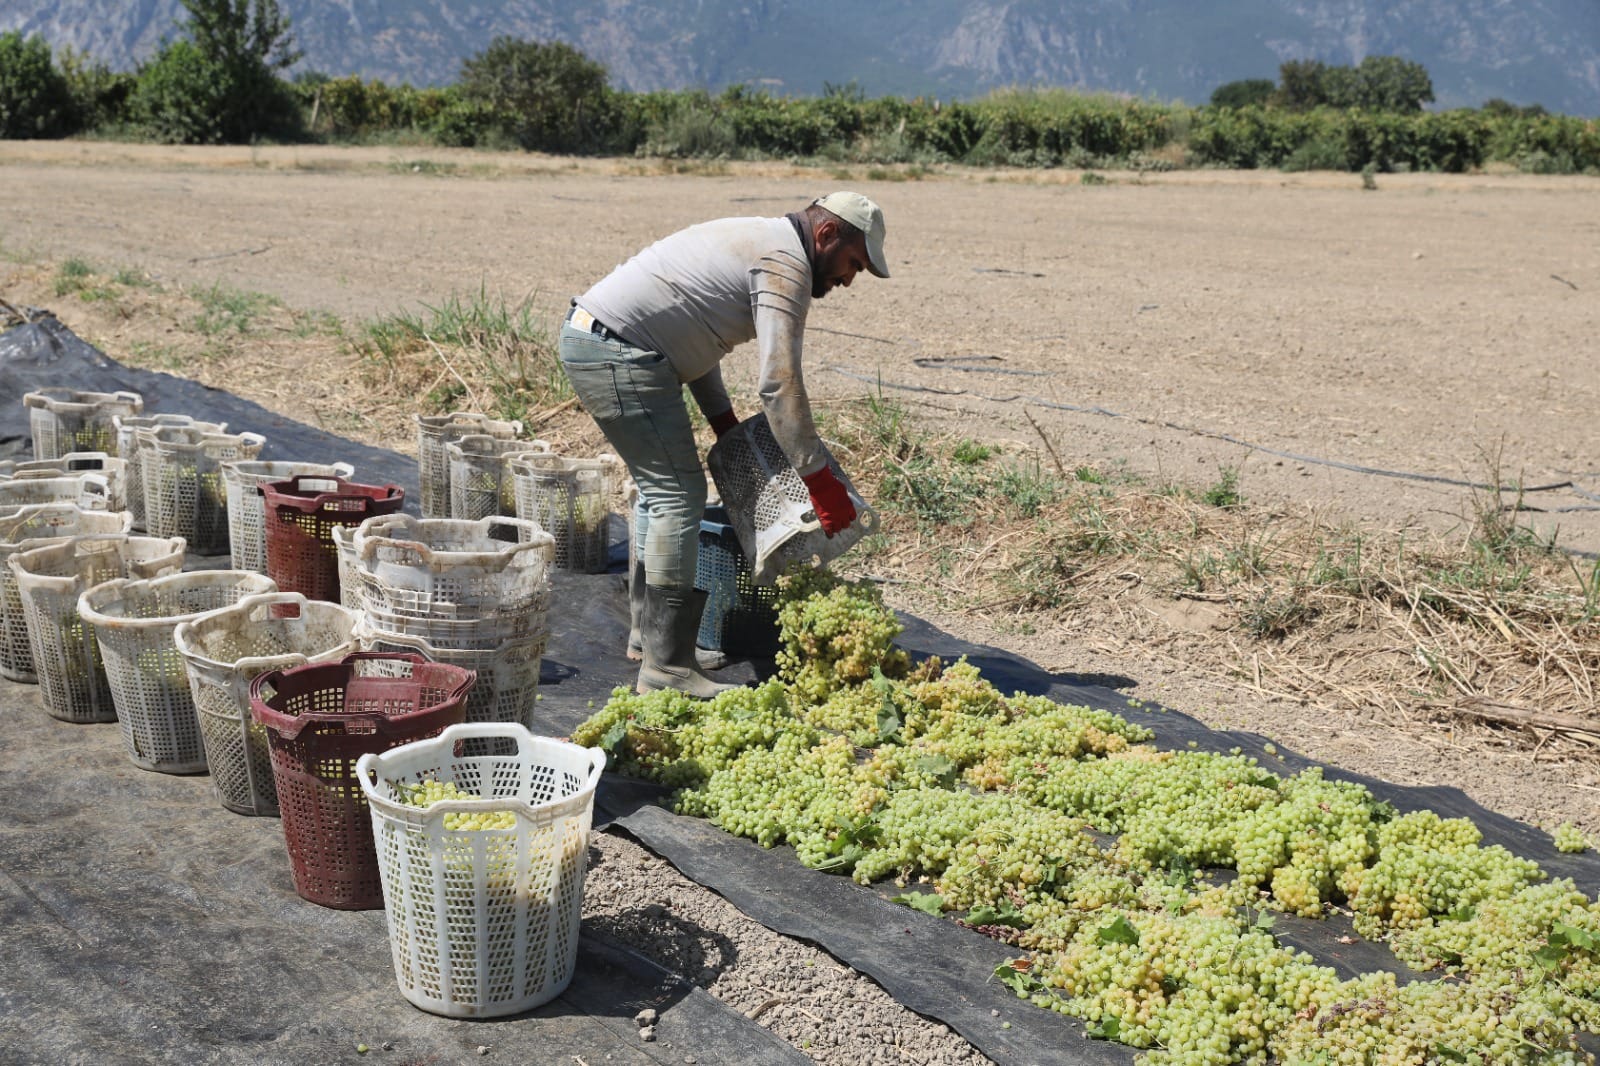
pixel 700 293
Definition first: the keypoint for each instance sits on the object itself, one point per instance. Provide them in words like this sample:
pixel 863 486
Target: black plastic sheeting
pixel 929 964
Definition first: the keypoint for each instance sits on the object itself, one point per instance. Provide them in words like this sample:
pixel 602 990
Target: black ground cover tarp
pixel 116 882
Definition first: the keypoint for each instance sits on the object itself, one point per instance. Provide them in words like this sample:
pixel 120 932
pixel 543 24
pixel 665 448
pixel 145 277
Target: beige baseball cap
pixel 865 216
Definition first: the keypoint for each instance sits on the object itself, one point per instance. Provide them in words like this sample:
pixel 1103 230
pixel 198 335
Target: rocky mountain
pixel 1530 51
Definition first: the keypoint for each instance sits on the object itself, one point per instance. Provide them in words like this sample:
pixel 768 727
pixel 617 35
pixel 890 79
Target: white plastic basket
pixel 770 507
pixel 114 470
pixel 88 492
pixel 133 621
pixel 127 443
pixel 570 499
pixel 508 675
pixel 223 651
pixel 50 578
pixel 184 494
pixel 480 475
pixel 247 530
pixel 483 922
pixel 450 569
pixel 66 420
pixel 28 528
pixel 344 546
pixel 434 434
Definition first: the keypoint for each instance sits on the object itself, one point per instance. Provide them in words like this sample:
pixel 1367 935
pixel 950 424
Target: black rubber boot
pixel 671 622
pixel 636 612
pixel 705 657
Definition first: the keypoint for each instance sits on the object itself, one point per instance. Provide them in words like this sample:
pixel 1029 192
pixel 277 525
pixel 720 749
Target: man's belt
pixel 587 323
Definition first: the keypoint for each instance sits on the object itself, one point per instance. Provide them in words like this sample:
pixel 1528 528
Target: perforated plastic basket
pixel 507 688
pixel 133 620
pixel 484 922
pixel 50 578
pixel 223 651
pixel 28 528
pixel 300 515
pixel 434 433
pixel 184 494
pixel 88 492
pixel 127 430
pixel 247 534
pixel 66 420
pixel 570 500
pixel 451 570
pixel 114 470
pixel 480 475
pixel 741 617
pixel 344 546
pixel 320 718
pixel 769 506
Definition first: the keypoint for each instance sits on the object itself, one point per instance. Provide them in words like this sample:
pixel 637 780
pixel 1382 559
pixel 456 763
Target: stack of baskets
pixel 471 594
pixel 480 474
pixel 301 513
pixel 320 719
pixel 133 622
pixel 64 420
pixel 50 579
pixel 247 531
pixel 570 500
pixel 127 443
pixel 223 652
pixel 184 494
pixel 22 530
pixel 434 434
pixel 112 469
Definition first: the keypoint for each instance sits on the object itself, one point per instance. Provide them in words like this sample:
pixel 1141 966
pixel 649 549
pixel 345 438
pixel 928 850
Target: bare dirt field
pixel 1368 353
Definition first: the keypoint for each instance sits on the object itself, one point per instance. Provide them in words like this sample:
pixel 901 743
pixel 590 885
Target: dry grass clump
pixel 1492 624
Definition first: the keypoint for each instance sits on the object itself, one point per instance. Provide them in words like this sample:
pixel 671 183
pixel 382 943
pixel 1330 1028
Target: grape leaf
pixel 926 902
pixel 1578 938
pixel 936 766
pixel 888 714
pixel 1005 914
pixel 1119 932
pixel 1019 980
pixel 1107 1028
pixel 614 735
pixel 1265 920
pixel 1448 1054
pixel 1551 955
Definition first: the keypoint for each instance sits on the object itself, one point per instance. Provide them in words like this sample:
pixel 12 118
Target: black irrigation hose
pixel 1335 463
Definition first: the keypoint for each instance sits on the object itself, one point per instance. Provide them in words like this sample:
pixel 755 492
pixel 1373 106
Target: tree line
pixel 223 79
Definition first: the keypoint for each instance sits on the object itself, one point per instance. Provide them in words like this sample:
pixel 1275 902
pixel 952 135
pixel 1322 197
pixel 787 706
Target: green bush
pixel 99 94
pixel 35 100
pixel 218 83
pixel 546 97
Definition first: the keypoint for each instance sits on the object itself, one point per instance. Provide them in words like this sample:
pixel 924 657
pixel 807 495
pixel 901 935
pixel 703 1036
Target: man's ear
pixel 826 231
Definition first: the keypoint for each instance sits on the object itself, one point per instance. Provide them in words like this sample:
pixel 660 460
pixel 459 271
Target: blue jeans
pixel 637 400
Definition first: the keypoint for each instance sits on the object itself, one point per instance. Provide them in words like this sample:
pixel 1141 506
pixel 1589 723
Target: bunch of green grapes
pixel 1204 990
pixel 1427 865
pixel 1372 1019
pixel 853 712
pixel 1570 838
pixel 761 794
pixel 1021 856
pixel 672 738
pixel 428 791
pixel 919 830
pixel 835 634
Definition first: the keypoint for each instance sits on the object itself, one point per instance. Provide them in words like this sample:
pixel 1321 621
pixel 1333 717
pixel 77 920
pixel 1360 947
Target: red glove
pixel 830 500
pixel 720 424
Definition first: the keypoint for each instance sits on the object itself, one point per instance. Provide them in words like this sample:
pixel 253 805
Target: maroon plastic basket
pixel 301 514
pixel 320 718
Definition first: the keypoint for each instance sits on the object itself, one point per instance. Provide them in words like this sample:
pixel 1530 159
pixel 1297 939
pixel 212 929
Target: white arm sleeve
pixel 780 296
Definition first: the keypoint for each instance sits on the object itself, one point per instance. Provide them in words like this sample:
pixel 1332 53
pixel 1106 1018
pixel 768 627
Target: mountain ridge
pixel 1538 51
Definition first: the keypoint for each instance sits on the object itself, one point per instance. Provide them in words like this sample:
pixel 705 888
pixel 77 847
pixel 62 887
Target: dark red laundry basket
pixel 301 514
pixel 319 719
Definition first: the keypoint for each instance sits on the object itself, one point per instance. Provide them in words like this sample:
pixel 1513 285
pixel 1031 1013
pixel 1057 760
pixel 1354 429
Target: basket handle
pixel 367 765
